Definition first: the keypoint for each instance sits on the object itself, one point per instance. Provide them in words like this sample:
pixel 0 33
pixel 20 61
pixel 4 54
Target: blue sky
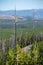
pixel 21 4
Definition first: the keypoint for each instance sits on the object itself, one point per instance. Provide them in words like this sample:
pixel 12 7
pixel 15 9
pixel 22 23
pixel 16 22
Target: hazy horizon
pixel 20 10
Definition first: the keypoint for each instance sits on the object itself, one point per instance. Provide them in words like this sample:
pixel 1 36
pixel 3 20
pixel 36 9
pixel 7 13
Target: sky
pixel 21 4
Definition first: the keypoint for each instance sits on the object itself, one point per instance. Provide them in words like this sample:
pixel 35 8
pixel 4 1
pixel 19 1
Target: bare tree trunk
pixel 3 52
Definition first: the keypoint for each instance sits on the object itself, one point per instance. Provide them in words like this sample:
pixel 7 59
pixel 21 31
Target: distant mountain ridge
pixel 38 13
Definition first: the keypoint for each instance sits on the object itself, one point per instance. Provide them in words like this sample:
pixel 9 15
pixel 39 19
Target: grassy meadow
pixel 7 28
